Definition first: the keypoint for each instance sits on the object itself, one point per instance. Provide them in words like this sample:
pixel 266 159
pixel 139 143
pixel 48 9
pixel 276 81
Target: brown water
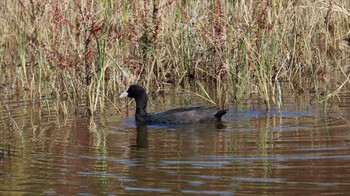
pixel 297 150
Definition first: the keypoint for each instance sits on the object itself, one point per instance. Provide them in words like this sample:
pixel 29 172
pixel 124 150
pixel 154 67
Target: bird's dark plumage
pixel 187 115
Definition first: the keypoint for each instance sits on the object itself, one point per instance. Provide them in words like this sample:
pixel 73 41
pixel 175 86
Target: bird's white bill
pixel 124 94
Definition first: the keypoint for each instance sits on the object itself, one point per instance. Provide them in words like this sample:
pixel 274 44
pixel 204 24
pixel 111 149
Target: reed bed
pixel 79 49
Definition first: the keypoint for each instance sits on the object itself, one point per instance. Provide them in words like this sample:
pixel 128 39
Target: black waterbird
pixel 187 115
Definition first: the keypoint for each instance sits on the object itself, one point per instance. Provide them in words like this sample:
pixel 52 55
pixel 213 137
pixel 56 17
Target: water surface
pixel 295 150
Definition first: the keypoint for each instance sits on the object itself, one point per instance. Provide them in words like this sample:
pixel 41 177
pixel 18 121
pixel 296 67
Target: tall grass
pixel 90 50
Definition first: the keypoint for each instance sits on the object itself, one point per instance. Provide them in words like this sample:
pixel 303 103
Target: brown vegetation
pixel 92 49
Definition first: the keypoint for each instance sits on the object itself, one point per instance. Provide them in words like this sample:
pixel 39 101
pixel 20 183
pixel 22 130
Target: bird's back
pixel 186 115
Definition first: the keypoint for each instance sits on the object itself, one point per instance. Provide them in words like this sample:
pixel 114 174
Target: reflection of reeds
pixel 7 125
pixel 92 49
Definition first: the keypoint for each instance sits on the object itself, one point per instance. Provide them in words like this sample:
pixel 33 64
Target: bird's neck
pixel 141 104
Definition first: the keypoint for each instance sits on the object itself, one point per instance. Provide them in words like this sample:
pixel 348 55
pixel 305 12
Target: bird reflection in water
pixel 142 136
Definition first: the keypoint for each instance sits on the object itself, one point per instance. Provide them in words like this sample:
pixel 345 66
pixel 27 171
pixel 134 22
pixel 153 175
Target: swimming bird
pixel 186 115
